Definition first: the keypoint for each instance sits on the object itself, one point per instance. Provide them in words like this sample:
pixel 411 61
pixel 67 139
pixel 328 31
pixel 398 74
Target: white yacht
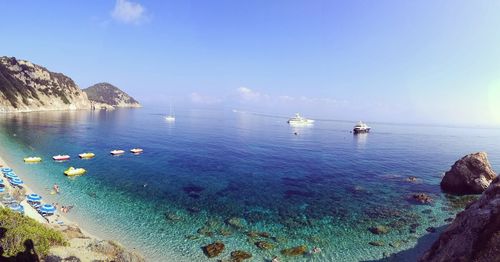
pixel 298 120
pixel 361 127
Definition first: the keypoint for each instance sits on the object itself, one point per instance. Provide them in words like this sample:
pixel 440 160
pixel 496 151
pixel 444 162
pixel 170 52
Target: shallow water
pixel 323 187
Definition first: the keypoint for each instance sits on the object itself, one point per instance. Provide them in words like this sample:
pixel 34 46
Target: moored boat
pixel 136 150
pixel 299 120
pixel 75 171
pixel 32 159
pixel 61 157
pixel 117 152
pixel 361 127
pixel 86 155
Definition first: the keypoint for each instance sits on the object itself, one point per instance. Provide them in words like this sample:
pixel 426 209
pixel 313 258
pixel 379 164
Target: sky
pixel 429 61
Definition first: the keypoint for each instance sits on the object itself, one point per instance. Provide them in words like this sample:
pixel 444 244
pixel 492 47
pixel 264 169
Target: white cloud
pixel 246 93
pixel 129 12
pixel 198 98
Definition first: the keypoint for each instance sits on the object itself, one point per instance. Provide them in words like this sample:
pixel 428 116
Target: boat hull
pixel 361 130
pixel 117 152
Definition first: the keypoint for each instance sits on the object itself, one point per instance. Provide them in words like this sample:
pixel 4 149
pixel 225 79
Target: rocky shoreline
pixel 474 235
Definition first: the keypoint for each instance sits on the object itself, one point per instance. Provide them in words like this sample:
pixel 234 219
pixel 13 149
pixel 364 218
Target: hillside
pixel 26 87
pixel 105 93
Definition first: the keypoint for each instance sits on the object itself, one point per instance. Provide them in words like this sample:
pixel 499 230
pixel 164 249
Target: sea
pixel 247 180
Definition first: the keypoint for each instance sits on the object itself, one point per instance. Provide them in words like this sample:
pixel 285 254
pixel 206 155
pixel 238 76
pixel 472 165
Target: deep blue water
pixel 323 187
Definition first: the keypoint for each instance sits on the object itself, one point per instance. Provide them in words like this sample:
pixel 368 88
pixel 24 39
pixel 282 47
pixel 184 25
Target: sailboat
pixel 170 117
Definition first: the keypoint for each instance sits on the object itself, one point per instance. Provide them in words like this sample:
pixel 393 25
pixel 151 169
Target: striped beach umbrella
pixel 34 197
pixel 6 169
pixel 10 175
pixel 17 208
pixel 47 208
pixel 16 181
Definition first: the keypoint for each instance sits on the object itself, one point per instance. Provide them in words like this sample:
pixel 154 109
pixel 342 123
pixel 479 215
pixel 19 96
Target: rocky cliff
pixel 474 235
pixel 26 87
pixel 108 94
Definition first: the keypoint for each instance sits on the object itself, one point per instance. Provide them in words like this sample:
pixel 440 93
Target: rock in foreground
pixel 214 249
pixel 475 233
pixel 470 175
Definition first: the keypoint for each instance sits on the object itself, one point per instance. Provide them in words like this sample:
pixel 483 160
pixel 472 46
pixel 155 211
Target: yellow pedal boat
pixel 75 171
pixel 32 159
pixel 86 155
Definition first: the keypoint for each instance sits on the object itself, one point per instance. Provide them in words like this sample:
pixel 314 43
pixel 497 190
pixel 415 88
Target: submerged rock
pixel 422 198
pixel 214 249
pixel 379 230
pixel 376 243
pixel 295 251
pixel 474 235
pixel 264 245
pixel 431 229
pixel 172 217
pixel 470 175
pixel 240 255
pixel 236 222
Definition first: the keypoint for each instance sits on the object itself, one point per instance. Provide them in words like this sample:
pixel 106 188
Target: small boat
pixel 61 157
pixel 75 171
pixel 136 150
pixel 117 152
pixel 361 127
pixel 170 117
pixel 299 120
pixel 32 159
pixel 86 155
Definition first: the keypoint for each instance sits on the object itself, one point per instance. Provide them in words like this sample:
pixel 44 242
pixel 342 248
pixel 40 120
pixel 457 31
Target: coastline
pixel 81 243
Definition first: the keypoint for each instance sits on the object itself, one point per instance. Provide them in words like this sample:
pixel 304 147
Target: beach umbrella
pixel 17 208
pixel 47 208
pixel 2 188
pixel 16 181
pixel 34 197
pixel 10 175
pixel 6 170
pixel 1 181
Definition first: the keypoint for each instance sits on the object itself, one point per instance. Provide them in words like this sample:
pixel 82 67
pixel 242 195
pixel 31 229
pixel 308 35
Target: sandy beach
pixel 82 244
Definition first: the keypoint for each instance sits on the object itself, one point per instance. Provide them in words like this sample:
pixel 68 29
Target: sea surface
pixel 224 175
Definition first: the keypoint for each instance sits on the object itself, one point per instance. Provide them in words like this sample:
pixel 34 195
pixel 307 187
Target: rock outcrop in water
pixel 105 94
pixel 26 87
pixel 470 175
pixel 475 233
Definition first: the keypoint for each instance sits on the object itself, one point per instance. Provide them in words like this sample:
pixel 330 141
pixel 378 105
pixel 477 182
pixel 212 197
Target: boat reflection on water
pixel 360 139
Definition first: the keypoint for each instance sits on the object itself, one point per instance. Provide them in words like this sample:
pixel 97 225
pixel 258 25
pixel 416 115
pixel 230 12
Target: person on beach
pixel 56 188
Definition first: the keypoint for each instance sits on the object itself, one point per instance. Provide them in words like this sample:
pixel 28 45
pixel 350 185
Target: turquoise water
pixel 323 187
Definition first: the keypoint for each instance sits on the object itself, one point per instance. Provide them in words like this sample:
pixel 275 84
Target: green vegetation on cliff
pixel 18 233
pixel 109 94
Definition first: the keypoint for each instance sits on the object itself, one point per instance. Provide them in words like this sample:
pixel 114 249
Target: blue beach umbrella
pixel 34 197
pixel 6 169
pixel 10 175
pixel 47 208
pixel 16 181
pixel 17 208
pixel 2 188
pixel 1 181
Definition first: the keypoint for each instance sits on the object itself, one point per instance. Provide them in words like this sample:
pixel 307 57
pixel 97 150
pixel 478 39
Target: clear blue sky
pixel 403 61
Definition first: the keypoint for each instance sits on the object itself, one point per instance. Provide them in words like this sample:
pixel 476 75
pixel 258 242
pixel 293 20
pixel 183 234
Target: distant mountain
pixel 26 87
pixel 108 94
